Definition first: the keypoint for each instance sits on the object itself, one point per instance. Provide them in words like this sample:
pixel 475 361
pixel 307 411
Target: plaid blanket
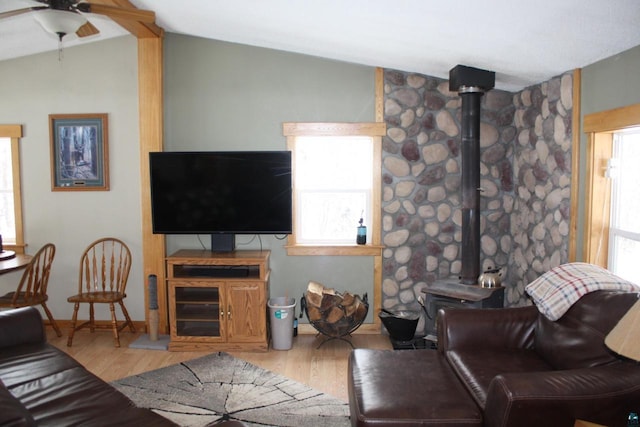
pixel 558 289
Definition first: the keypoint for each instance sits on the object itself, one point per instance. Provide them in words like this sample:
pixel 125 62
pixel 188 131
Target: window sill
pixel 341 250
pixel 19 249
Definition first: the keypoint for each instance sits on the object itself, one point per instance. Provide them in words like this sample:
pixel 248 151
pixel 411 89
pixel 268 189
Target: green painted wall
pixel 218 96
pixel 224 96
pixel 95 78
pixel 611 83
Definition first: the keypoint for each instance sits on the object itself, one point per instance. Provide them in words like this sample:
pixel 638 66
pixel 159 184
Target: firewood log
pixel 347 299
pixel 329 301
pixel 334 315
pixel 329 291
pixel 314 294
pixel 314 313
pixel 361 311
pixel 350 309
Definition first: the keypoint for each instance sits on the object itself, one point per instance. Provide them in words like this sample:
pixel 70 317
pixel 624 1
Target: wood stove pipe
pixel 471 84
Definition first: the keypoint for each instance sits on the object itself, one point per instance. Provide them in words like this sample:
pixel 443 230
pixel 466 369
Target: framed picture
pixel 79 152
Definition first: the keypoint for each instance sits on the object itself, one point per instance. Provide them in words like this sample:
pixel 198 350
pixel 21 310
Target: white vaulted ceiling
pixel 524 42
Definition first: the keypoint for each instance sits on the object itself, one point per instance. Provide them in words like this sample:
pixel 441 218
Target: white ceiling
pixel 524 42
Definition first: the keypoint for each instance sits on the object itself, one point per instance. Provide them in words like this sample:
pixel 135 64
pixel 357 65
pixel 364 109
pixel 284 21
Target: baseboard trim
pixel 303 328
pixel 102 324
pixel 366 328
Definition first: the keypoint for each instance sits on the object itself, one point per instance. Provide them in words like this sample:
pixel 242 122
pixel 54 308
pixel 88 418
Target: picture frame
pixel 79 152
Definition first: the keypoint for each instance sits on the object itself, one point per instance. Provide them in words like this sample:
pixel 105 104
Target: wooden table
pixel 15 263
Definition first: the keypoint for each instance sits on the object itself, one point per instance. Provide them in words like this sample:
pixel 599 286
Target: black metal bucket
pixel 401 325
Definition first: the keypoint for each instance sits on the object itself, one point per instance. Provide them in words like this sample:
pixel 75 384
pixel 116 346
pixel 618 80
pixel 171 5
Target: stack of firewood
pixel 334 313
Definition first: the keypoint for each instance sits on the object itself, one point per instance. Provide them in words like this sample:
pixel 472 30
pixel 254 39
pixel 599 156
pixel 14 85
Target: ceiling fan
pixel 62 17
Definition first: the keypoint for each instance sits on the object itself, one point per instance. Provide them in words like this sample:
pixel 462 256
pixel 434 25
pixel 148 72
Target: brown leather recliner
pixel 523 369
pixel 517 366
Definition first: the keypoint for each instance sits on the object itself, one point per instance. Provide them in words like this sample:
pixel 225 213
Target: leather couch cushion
pixel 56 390
pixel 576 340
pixel 12 412
pixel 476 368
pixel 29 327
pixel 29 363
pixel 407 387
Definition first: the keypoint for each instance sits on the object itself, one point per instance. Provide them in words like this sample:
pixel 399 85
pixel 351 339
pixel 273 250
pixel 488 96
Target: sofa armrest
pixel 603 395
pixel 21 326
pixel 489 328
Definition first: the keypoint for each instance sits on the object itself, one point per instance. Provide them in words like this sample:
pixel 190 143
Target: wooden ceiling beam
pixel 150 97
pixel 139 29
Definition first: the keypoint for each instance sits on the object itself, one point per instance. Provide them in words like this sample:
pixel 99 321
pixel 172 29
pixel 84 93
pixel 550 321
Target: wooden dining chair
pixel 104 270
pixel 32 289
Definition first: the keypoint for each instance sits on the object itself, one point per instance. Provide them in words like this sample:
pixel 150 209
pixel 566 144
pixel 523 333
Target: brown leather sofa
pixel 516 367
pixel 42 385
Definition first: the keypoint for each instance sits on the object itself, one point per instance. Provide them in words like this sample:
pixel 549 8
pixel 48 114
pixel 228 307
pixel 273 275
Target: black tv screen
pixel 239 192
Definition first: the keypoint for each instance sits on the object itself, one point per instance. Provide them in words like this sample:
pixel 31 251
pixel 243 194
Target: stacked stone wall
pixel 525 142
pixel 542 171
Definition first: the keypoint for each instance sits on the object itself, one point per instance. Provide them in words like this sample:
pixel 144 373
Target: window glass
pixel 624 231
pixel 626 253
pixel 333 182
pixel 626 177
pixel 7 207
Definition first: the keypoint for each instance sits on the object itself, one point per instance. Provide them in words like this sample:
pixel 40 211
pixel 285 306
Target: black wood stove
pixel 443 294
pixel 464 291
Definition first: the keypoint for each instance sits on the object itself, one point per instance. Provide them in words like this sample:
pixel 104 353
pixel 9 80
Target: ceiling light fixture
pixel 59 22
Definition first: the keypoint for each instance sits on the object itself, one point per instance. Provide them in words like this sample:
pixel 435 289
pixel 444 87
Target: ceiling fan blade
pixel 86 30
pixel 114 12
pixel 21 11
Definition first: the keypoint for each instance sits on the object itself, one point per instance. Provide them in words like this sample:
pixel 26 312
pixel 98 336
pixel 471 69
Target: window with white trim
pixel 7 212
pixel 10 194
pixel 624 228
pixel 336 181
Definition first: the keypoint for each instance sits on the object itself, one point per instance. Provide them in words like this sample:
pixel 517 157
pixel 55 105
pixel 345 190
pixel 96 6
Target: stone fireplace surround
pixel 525 141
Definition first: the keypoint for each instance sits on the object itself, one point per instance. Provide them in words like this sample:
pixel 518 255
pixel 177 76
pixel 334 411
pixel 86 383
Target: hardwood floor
pixel 324 369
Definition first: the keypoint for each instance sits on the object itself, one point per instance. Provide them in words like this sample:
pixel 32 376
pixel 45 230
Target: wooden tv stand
pixel 218 301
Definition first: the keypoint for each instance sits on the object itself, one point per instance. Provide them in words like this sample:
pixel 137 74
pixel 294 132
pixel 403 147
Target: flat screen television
pixel 221 193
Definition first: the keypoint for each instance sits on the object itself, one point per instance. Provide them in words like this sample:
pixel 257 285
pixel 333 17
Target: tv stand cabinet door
pixel 196 311
pixel 246 319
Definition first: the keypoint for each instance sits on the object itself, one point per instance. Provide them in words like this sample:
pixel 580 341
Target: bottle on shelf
pixel 361 238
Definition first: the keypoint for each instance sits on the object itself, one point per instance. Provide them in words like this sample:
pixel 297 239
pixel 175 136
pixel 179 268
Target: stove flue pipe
pixel 471 84
pixel 470 203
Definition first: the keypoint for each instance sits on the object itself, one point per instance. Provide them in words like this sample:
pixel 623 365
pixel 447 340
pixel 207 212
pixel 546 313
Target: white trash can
pixel 281 314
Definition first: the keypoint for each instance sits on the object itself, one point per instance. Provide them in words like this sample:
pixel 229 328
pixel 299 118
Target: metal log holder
pixel 340 329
